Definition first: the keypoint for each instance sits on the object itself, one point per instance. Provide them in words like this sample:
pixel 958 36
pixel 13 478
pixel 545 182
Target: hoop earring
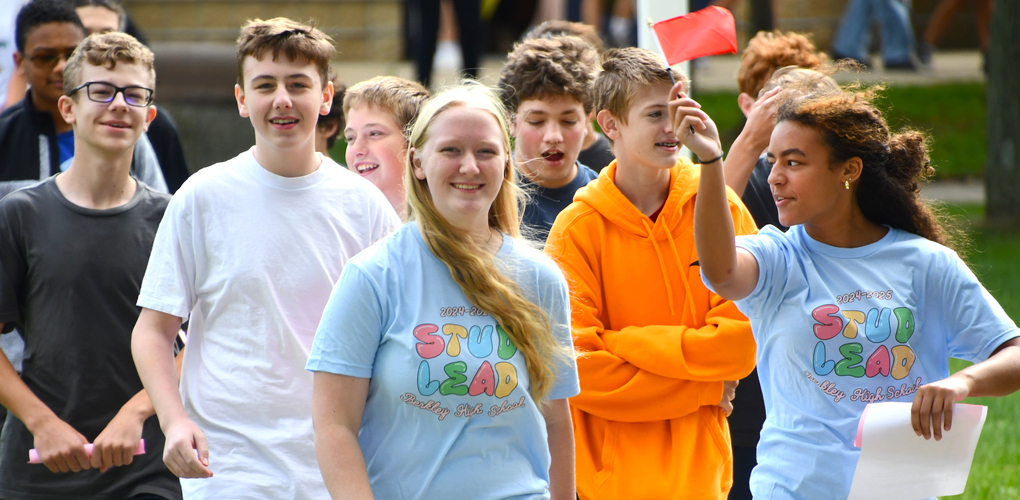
pixel 847 183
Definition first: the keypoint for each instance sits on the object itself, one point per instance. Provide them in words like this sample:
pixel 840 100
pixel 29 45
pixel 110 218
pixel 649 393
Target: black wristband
pixel 713 160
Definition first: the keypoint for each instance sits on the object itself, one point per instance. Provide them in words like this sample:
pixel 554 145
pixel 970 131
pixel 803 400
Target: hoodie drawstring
pixel 665 276
pixel 683 275
pixel 662 266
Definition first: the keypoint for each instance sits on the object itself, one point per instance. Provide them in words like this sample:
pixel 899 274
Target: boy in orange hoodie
pixel 655 346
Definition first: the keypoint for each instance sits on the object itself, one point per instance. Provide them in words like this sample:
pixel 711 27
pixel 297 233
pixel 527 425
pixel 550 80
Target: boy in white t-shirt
pixel 250 249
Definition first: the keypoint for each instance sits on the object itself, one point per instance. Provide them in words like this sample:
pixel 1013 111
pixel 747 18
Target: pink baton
pixel 33 455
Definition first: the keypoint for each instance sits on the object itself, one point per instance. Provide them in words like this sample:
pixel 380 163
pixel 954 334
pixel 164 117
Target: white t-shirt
pixel 252 258
pixel 448 414
pixel 838 328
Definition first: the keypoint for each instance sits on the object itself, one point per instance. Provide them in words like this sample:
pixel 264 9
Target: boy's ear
pixel 745 101
pixel 19 58
pixel 419 172
pixel 327 99
pixel 512 122
pixel 66 106
pixel 608 124
pixel 150 114
pixel 242 108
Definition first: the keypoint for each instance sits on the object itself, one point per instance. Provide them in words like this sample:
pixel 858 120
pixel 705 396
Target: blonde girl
pixel 443 361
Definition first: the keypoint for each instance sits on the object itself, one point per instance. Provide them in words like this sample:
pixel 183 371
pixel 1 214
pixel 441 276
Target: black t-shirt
pixel 598 156
pixel 544 204
pixel 69 280
pixel 167 145
pixel 749 406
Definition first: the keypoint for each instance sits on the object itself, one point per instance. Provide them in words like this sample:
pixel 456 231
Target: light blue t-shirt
pixel 448 413
pixel 838 328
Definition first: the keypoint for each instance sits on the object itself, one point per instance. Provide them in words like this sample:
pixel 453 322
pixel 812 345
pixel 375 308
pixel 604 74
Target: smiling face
pixel 112 127
pixel 807 189
pixel 463 163
pixel 376 149
pixel 283 99
pixel 47 48
pixel 549 134
pixel 647 138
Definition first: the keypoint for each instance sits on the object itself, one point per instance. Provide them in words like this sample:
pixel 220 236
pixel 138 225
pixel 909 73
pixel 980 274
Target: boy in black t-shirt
pixel 546 87
pixel 75 248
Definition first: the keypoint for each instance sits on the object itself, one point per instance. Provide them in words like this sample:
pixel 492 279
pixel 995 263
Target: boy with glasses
pixel 35 140
pixel 75 248
pixel 102 16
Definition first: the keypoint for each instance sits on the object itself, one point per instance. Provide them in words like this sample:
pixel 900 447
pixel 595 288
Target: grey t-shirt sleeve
pixel 12 264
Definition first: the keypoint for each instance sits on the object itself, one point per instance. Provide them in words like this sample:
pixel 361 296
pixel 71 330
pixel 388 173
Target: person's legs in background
pixel 469 14
pixel 423 30
pixel 853 37
pixel 897 35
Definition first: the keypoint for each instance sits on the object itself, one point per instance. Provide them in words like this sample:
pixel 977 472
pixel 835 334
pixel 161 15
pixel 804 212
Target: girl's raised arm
pixel 731 272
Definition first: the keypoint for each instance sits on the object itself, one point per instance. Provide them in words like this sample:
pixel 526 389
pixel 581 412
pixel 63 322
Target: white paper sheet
pixel 897 464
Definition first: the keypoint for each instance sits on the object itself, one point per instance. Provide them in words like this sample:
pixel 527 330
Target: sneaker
pixel 912 64
pixel 924 52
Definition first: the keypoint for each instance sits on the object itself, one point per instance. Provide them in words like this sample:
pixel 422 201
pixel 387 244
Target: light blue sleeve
pixel 974 322
pixel 558 308
pixel 767 248
pixel 351 327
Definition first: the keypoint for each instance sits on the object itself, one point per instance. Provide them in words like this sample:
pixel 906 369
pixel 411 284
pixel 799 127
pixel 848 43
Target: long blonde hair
pixel 474 270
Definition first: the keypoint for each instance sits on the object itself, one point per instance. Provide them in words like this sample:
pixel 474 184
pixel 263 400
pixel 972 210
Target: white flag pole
pixel 655 11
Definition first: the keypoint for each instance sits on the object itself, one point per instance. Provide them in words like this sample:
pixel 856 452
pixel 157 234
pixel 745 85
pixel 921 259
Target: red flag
pixel 706 32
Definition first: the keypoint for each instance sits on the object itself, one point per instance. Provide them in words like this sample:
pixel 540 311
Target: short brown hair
pixel 295 40
pixel 557 28
pixel 107 49
pixel 335 115
pixel 539 68
pixel 625 73
pixel 399 97
pixel 768 51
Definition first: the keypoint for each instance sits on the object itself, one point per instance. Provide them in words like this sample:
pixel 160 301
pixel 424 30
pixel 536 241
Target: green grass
pixel 995 474
pixel 953 116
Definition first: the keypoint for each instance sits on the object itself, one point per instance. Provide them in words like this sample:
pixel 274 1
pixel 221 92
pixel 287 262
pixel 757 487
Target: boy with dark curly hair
pixel 546 87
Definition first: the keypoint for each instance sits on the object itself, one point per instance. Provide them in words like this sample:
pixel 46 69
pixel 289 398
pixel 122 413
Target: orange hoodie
pixel 654 345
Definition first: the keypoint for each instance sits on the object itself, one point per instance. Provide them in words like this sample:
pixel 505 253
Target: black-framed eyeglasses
pixel 105 93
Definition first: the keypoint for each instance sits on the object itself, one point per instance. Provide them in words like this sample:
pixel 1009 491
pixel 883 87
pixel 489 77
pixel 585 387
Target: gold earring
pixel 847 183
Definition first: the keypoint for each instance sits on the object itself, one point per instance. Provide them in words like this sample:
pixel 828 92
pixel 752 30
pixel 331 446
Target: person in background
pixel 378 112
pixel 853 37
pixel 595 150
pixel 546 87
pixel 329 125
